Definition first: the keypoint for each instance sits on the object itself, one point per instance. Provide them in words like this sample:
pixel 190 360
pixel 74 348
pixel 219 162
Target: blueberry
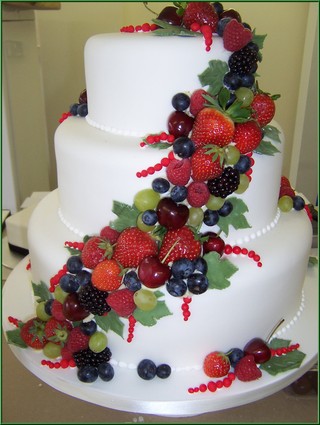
pixel 176 287
pixel 74 264
pixel 147 369
pixel 82 110
pixel 200 265
pixel 163 371
pixel 243 165
pixel 183 147
pixel 197 283
pixel 68 283
pixel 182 268
pixel 253 46
pixel 180 101
pixel 218 7
pixel 210 217
pixel 246 26
pixel 149 217
pixel 105 371
pixel 160 185
pixel 226 209
pixel 179 193
pixel 247 80
pixel 74 109
pixel 221 26
pixel 88 328
pixel 48 306
pixel 87 374
pixel 234 355
pixel 131 281
pixel 231 81
pixel 83 277
pixel 298 203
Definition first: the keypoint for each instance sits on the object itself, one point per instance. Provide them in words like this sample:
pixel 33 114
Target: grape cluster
pixel 93 300
pixel 226 184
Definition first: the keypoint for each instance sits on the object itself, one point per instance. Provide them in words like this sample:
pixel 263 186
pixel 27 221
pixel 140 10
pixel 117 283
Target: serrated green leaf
pixel 213 76
pixel 258 39
pixel 150 318
pixel 170 30
pixel 272 132
pixel 111 322
pixel 236 218
pixel 73 251
pixel 41 291
pixel 14 338
pixel 160 145
pixel 127 216
pixel 219 271
pixel 279 343
pixel 266 148
pixel 279 364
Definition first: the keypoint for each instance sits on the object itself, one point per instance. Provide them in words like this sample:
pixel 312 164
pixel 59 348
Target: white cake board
pixel 170 397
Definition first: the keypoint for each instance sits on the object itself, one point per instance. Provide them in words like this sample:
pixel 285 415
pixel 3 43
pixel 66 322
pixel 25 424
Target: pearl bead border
pixel 107 129
pixel 69 225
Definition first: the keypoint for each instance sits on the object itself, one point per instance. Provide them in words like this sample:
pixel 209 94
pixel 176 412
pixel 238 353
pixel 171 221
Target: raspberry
pixel 198 194
pixel 77 340
pixel 197 101
pixel 246 369
pixel 108 233
pixel 226 184
pixel 179 172
pixel 57 310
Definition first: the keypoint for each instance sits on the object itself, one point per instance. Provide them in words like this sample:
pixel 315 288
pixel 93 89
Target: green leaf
pixel 73 251
pixel 266 148
pixel 279 343
pixel 168 29
pixel 272 132
pixel 213 76
pixel 313 261
pixel 219 271
pixel 258 39
pixel 279 364
pixel 41 290
pixel 14 338
pixel 236 218
pixel 160 145
pixel 150 318
pixel 111 322
pixel 127 216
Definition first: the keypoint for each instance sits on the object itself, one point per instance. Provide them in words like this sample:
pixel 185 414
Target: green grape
pixel 41 313
pixel 232 155
pixel 145 299
pixel 52 350
pixel 98 342
pixel 142 226
pixel 146 199
pixel 285 203
pixel 215 203
pixel 59 294
pixel 245 95
pixel 195 216
pixel 243 185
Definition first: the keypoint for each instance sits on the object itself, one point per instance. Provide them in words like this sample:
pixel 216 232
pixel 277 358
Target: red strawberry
pixel 181 243
pixel 179 171
pixel 77 340
pixel 264 108
pixel 32 333
pixel 96 249
pixel 107 275
pixel 216 364
pixel 57 331
pixel 247 370
pixel 247 136
pixel 57 310
pixel 285 181
pixel 212 126
pixel 122 302
pixel 198 194
pixel 205 165
pixel 235 36
pixel 286 191
pixel 197 101
pixel 134 245
pixel 111 234
pixel 201 13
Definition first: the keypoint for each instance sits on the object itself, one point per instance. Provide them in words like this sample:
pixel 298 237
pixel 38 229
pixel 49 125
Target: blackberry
pixel 93 300
pixel 226 184
pixel 88 357
pixel 244 61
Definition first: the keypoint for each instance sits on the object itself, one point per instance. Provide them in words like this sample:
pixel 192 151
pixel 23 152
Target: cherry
pixel 214 243
pixel 83 96
pixel 180 124
pixel 172 215
pixel 231 13
pixel 152 272
pixel 169 15
pixel 72 308
pixel 259 349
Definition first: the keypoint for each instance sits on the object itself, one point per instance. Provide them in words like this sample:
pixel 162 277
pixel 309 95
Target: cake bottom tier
pixel 256 300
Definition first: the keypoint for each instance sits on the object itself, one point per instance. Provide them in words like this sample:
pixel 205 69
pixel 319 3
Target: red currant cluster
pixel 146 27
pixel 132 322
pixel 64 116
pixel 284 350
pixel 185 308
pixel 54 281
pixel 14 321
pixel 157 167
pixel 228 249
pixel 74 245
pixel 157 138
pixel 63 364
pixel 212 386
pixel 206 31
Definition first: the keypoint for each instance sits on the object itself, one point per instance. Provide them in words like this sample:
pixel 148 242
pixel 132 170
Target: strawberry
pixel 180 243
pixel 235 36
pixel 201 13
pixel 57 331
pixel 179 171
pixel 212 126
pixel 247 370
pixel 134 245
pixel 77 340
pixel 286 191
pixel 111 234
pixel 198 194
pixel 263 108
pixel 32 333
pixel 216 364
pixel 122 302
pixel 247 136
pixel 96 249
pixel 57 310
pixel 106 276
pixel 285 181
pixel 205 164
pixel 197 101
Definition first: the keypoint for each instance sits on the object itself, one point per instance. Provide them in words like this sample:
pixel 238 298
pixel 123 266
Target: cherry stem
pixel 145 3
pixel 274 329
pixel 170 250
